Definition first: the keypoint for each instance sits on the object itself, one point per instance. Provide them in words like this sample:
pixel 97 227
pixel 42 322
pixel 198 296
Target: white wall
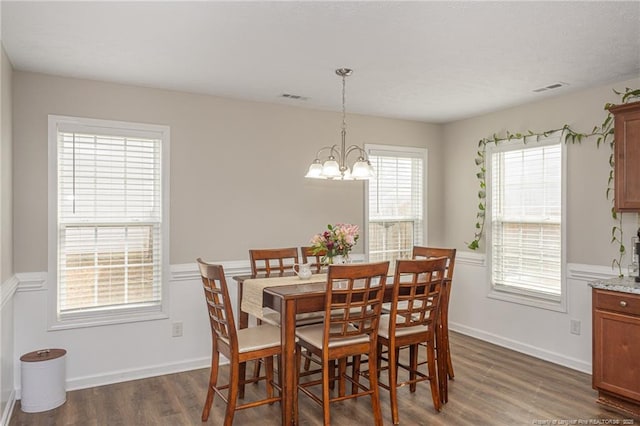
pixel 539 332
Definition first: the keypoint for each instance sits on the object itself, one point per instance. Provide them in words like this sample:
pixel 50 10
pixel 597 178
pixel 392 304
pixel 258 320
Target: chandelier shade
pixel 335 162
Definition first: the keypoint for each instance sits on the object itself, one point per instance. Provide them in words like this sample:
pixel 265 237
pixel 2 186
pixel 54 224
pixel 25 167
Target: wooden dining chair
pixel 314 259
pixel 270 262
pixel 420 252
pixel 414 316
pixel 350 327
pixel 277 262
pixel 238 346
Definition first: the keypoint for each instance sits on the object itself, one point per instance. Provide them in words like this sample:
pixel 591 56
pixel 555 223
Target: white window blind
pixel 526 219
pixel 395 202
pixel 110 219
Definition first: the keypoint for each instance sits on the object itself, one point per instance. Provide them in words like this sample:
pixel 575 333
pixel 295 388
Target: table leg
pixel 288 342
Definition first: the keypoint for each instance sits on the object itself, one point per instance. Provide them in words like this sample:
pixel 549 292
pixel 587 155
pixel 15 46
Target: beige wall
pixel 6 213
pixel 236 167
pixel 589 220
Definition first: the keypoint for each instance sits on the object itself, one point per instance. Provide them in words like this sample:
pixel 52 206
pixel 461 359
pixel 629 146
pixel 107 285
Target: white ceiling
pixel 427 61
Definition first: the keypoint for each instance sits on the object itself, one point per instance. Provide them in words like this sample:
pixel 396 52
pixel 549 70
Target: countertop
pixel 624 285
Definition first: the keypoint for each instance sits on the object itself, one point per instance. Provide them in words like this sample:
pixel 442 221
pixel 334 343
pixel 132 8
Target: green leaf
pixel 482 195
pixel 477 225
pixel 622 249
pixel 480 175
pixel 479 161
pixel 473 245
pixel 481 206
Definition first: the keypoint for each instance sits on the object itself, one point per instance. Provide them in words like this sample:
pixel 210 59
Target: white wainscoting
pixel 7 386
pixel 537 332
pixel 102 355
pixel 115 353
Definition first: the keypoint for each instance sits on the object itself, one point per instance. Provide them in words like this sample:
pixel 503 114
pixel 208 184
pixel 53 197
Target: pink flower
pixel 339 239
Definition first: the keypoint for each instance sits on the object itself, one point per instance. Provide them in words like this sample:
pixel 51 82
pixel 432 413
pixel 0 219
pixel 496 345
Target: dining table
pixel 290 296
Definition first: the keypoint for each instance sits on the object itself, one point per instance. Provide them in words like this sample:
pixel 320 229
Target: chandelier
pixel 334 164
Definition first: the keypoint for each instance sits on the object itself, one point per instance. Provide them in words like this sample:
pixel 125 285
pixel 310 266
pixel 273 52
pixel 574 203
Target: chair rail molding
pixel 32 281
pixel 589 273
pixel 470 258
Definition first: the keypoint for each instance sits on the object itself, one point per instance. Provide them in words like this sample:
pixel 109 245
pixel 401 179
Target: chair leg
pixel 232 395
pixel 355 373
pixel 213 380
pixel 342 369
pixel 269 375
pixel 373 384
pixel 242 375
pixel 326 412
pixel 307 362
pixel 433 376
pixel 393 384
pixel 332 366
pixel 413 365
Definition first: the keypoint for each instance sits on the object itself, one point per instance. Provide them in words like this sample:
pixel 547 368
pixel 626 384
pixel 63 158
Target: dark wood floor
pixel 493 386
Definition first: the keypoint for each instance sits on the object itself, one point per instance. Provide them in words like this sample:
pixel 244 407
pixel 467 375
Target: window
pixel 109 222
pixel 526 216
pixel 395 202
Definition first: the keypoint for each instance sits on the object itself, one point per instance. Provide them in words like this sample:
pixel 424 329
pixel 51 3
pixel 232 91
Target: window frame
pixel 415 152
pixel 516 295
pixel 120 314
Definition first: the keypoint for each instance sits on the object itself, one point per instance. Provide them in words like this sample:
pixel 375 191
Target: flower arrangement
pixel 337 240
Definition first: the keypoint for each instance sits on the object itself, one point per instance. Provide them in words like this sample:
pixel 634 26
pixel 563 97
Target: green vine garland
pixel 604 134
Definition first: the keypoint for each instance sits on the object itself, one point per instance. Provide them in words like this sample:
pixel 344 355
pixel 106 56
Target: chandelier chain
pixel 344 101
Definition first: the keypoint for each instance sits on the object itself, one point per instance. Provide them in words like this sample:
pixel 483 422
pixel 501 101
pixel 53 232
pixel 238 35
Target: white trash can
pixel 43 375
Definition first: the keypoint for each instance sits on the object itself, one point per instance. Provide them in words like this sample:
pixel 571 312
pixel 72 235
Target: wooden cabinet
pixel 627 156
pixel 616 350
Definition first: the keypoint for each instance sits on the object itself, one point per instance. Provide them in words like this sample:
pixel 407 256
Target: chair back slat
pixel 268 262
pixel 417 292
pixel 219 305
pixel 354 299
pixel 314 259
pixel 429 252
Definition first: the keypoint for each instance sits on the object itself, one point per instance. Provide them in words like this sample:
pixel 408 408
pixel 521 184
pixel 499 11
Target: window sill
pixel 106 318
pixel 541 302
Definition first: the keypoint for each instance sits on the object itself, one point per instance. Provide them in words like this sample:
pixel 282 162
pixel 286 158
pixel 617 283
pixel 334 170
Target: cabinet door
pixel 616 350
pixel 627 157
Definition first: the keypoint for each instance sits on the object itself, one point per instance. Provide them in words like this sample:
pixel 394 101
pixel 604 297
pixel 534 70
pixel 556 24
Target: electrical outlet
pixel 575 327
pixel 176 329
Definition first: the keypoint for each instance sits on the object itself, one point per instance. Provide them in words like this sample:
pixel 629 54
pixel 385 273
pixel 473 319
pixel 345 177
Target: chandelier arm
pixel 331 148
pixel 360 150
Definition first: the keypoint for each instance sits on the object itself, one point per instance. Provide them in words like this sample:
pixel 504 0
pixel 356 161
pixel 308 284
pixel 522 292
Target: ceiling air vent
pixel 295 97
pixel 551 87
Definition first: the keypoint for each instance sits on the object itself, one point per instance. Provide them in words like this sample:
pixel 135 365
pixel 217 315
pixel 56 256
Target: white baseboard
pixel 135 374
pixel 8 409
pixel 524 348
